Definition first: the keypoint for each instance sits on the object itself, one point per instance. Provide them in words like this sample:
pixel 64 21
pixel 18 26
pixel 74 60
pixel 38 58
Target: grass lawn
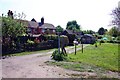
pixel 98 60
pixel 105 56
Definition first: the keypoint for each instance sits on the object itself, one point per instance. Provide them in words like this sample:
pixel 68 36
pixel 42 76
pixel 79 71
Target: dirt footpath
pixel 29 67
pixel 33 66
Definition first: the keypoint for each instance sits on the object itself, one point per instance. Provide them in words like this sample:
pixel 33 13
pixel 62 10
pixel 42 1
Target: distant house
pixel 36 28
pixel 78 34
pixel 65 32
pixel 72 35
pixel 88 39
pixel 33 28
pixel 47 28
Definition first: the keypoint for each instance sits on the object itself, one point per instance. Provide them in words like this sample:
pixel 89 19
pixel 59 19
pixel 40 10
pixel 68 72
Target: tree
pixel 72 25
pixel 88 32
pixel 116 16
pixel 12 27
pixel 115 21
pixel 114 32
pixel 101 31
pixel 59 29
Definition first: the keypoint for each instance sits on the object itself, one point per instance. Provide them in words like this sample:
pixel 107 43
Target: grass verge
pixel 98 60
pixel 31 52
pixel 105 56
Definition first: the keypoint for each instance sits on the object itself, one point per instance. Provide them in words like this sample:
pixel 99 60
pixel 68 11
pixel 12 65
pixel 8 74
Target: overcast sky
pixel 90 14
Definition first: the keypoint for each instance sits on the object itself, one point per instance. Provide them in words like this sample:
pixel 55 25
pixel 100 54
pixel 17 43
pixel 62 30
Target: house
pixel 47 28
pixel 78 34
pixel 33 27
pixel 65 32
pixel 88 39
pixel 37 28
pixel 72 35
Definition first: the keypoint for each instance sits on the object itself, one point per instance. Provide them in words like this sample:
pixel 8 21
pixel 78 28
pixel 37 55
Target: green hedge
pixel 29 44
pixel 51 37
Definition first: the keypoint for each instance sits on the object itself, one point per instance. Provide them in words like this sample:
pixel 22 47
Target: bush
pixel 99 37
pixel 51 37
pixel 102 41
pixel 58 56
pixel 54 40
pixel 118 38
pixel 110 41
pixel 30 41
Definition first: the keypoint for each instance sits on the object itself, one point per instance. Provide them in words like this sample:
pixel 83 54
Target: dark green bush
pixel 58 56
pixel 110 41
pixel 102 41
pixel 51 37
pixel 99 37
pixel 54 38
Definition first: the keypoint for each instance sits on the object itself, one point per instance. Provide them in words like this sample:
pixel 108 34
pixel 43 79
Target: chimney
pixel 42 20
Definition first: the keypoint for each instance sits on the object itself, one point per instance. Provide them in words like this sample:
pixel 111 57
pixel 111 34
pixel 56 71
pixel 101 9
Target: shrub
pixel 58 56
pixel 118 38
pixel 54 39
pixel 51 37
pixel 102 41
pixel 110 41
pixel 30 42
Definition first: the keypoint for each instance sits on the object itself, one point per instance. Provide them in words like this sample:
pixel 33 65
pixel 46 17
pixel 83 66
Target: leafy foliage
pixel 58 56
pixel 116 16
pixel 11 30
pixel 88 32
pixel 12 27
pixel 30 41
pixel 114 31
pixel 59 29
pixel 72 25
pixel 101 31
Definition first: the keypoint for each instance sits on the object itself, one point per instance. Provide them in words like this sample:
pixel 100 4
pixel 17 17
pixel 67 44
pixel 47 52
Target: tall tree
pixel 116 21
pixel 59 28
pixel 101 31
pixel 72 25
pixel 88 32
pixel 114 32
pixel 12 27
pixel 116 16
